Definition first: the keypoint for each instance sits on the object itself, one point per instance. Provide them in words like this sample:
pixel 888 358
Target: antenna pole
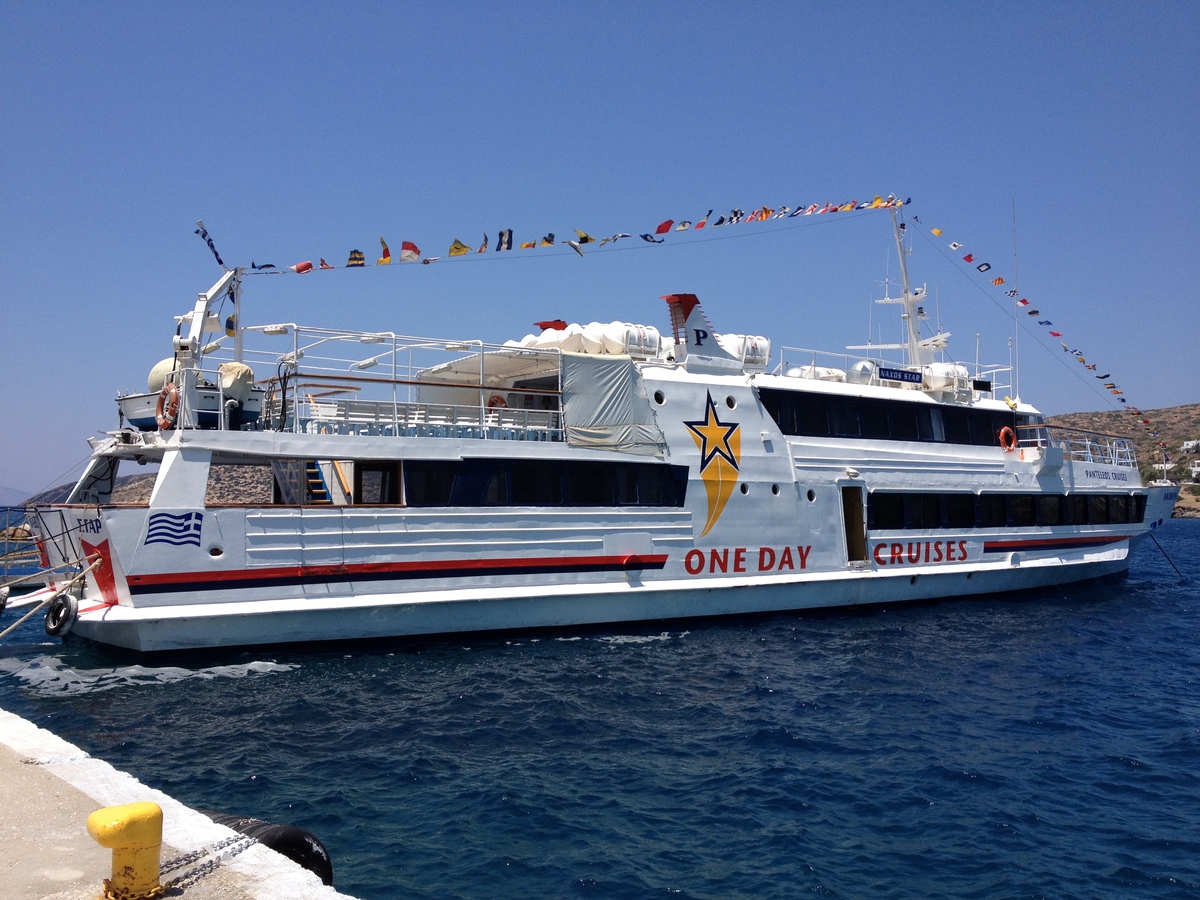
pixel 916 355
pixel 1016 319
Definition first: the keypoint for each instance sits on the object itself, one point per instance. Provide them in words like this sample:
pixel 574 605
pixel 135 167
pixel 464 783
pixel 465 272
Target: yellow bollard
pixel 134 834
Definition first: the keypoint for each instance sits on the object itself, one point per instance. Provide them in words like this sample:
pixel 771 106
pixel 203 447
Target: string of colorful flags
pixel 411 253
pixel 1026 306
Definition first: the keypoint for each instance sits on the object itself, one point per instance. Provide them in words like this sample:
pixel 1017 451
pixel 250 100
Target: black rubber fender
pixel 61 615
pixel 302 847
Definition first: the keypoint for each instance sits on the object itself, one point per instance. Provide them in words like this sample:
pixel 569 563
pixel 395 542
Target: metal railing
pixel 320 381
pixel 825 365
pixel 1079 445
pixel 374 417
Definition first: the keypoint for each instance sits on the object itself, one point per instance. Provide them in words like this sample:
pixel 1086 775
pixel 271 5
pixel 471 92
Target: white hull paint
pixel 583 476
pixel 301 619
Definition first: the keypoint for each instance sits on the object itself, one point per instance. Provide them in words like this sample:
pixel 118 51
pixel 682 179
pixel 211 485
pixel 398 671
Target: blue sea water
pixel 1039 745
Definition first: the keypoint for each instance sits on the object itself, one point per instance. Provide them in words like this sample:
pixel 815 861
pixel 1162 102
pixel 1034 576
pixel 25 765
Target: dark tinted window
pixel 1050 509
pixel 991 511
pixel 536 483
pixel 812 414
pixel 589 484
pixel 982 433
pixel 873 417
pixel 1076 510
pixel 886 510
pixel 1137 508
pixel 428 483
pixel 924 511
pixel 1020 510
pixel 955 425
pixel 1118 509
pixel 960 510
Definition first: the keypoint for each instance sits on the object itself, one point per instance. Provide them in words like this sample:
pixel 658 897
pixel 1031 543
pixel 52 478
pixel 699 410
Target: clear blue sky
pixel 302 130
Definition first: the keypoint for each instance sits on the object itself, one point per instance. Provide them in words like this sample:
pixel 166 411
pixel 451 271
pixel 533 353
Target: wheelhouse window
pixel 812 414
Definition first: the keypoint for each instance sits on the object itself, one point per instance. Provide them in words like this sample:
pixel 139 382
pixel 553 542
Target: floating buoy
pixel 1008 439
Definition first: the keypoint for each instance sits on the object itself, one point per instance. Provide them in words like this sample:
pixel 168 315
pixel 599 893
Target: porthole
pixel 216 552
pixel 812 495
pixel 775 489
pixel 730 402
pixel 745 488
pixel 659 398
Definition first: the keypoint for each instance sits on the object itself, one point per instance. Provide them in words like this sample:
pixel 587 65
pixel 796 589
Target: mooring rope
pixel 58 593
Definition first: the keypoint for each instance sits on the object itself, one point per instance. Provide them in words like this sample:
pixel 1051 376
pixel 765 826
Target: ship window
pixel 653 485
pixel 885 510
pixel 812 415
pixel 778 406
pixel 627 486
pixel 991 511
pixel 924 511
pixel 1050 509
pixel 981 431
pixel 956 427
pixel 237 484
pixel 377 482
pixel 428 482
pixel 536 483
pixel 589 484
pixel 843 417
pixel 960 510
pixel 1001 510
pixel 495 489
pixel 1118 509
pixel 1032 428
pixel 1077 510
pixel 924 423
pixel 1020 510
pixel 904 422
pixel 873 415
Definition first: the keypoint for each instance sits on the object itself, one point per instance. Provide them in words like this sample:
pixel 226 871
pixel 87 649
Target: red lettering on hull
pixel 913 552
pixel 721 560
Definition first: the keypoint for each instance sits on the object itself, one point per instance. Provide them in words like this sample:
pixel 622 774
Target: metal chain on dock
pixel 209 859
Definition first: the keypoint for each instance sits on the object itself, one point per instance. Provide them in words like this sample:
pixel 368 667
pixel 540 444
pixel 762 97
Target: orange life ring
pixel 496 402
pixel 167 407
pixel 1008 439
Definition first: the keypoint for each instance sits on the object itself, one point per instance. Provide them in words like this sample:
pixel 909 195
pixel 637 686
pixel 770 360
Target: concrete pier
pixel 49 787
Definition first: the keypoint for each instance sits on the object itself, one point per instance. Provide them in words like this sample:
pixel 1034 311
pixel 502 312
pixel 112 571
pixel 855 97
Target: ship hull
pixel 303 618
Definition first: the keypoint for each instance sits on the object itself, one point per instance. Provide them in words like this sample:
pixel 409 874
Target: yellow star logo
pixel 713 437
pixel 720 446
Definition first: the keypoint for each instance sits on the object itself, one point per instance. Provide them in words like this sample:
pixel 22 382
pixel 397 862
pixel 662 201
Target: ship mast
pixel 918 355
pixel 920 352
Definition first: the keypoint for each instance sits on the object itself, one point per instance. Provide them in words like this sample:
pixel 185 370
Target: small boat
pixel 317 484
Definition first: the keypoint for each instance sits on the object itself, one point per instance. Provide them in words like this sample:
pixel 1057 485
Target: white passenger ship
pixel 393 486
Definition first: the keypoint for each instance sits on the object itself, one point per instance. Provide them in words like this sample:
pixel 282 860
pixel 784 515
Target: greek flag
pixel 178 530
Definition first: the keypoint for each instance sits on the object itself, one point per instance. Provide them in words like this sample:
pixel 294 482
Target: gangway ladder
pixel 318 490
pixel 300 483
